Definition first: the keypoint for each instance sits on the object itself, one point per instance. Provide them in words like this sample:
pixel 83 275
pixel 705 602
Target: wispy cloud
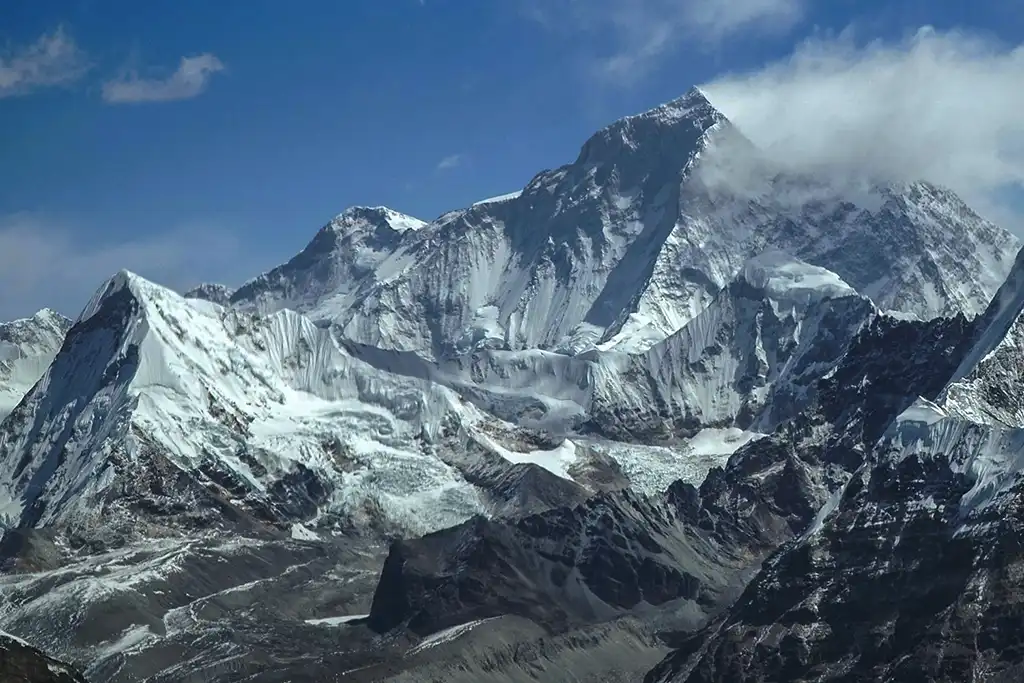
pixel 45 263
pixel 939 106
pixel 190 80
pixel 636 35
pixel 52 60
pixel 451 161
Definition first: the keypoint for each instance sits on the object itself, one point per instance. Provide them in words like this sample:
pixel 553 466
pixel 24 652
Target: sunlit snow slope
pixel 26 348
pixel 157 401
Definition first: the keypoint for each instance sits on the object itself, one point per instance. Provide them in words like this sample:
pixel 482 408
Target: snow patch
pixel 788 279
pixel 337 621
pixel 447 635
pixel 558 461
pixel 301 533
pixel 500 198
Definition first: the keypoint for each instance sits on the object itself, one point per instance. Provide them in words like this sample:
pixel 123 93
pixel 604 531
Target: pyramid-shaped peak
pixel 693 102
pixel 124 282
pixel 680 125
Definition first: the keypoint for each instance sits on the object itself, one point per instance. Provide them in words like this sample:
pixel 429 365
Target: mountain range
pixel 668 411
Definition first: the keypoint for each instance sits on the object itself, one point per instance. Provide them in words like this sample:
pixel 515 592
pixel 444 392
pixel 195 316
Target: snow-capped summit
pixel 26 348
pixel 672 129
pixel 398 222
pixel 344 253
pixel 624 246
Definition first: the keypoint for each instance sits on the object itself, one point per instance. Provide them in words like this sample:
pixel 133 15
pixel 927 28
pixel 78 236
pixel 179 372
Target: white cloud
pixel 451 161
pixel 43 264
pixel 190 80
pixel 54 59
pixel 939 106
pixel 716 19
pixel 634 36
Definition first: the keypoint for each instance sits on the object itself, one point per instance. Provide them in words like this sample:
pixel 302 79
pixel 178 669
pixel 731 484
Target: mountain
pixel 748 360
pixel 680 557
pixel 21 662
pixel 911 570
pixel 622 247
pixel 26 348
pixel 214 293
pixel 192 415
pixel 579 428
pixel 323 277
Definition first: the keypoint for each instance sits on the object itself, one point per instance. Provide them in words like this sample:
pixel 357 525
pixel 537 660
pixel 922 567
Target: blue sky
pixel 200 140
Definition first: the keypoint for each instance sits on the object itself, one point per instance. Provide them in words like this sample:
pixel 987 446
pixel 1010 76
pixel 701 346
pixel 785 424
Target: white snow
pixel 131 639
pixel 825 511
pixel 500 198
pixel 447 635
pixel 715 441
pixel 788 280
pixel 557 461
pixel 27 347
pixel 15 638
pixel 337 621
pixel 652 469
pixel 301 533
pixel 922 411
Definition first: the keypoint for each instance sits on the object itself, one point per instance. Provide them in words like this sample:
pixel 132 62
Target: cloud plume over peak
pixel 938 106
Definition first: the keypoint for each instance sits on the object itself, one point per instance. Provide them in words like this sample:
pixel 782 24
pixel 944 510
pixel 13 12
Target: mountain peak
pixel 692 100
pixel 48 314
pixel 123 282
pixel 339 256
pixel 376 216
pixel 43 317
pixel 677 126
pixel 27 347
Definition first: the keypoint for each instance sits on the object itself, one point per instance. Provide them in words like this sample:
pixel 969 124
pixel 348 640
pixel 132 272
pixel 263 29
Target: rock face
pixel 912 569
pixel 689 550
pixel 22 663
